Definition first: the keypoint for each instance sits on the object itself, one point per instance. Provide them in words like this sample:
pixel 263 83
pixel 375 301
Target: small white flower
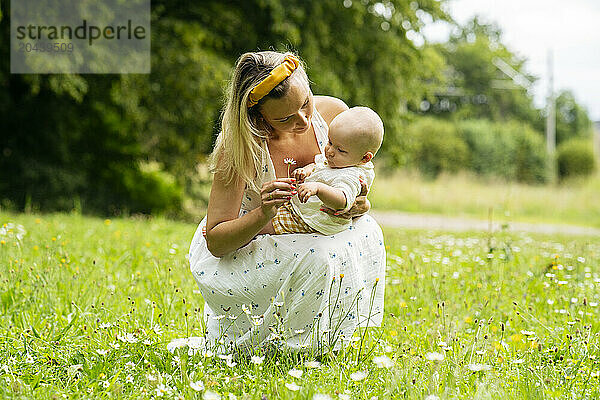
pixel 299 331
pixel 518 361
pixel 218 317
pixel 296 373
pixel 161 390
pixel 105 384
pixel 442 344
pixel 245 309
pixel 146 342
pixel 581 259
pixel 292 386
pixel 177 343
pixel 320 396
pixel 232 317
pixel 102 352
pixel 434 356
pixel 210 395
pixel 257 360
pixel 129 379
pixel 383 362
pixel 312 364
pixel 278 303
pixel 258 320
pixel 528 333
pixel 358 376
pixel 105 325
pixel 127 338
pixel 151 377
pixel 197 386
pixel 344 396
pixel 479 367
pixel 130 364
pixel 157 329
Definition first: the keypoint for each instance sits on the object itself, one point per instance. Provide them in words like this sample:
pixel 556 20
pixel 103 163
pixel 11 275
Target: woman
pixel 299 290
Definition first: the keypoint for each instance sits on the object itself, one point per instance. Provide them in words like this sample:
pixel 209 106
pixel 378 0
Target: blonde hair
pixel 238 149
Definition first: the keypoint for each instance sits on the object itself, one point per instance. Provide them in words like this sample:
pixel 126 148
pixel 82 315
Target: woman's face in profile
pixel 293 112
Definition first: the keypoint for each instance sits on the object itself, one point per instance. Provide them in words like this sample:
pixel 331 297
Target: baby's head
pixel 355 135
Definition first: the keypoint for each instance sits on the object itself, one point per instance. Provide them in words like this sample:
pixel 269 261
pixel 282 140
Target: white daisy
pixel 296 373
pixel 197 386
pixel 292 386
pixel 358 376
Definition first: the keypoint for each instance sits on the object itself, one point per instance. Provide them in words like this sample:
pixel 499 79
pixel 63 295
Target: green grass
pixel 521 323
pixel 575 202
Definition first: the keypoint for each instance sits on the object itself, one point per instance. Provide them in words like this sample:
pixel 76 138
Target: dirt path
pixel 393 219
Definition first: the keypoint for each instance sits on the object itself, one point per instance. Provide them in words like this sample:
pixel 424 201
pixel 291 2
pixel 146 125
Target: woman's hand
pixel 273 194
pixel 361 205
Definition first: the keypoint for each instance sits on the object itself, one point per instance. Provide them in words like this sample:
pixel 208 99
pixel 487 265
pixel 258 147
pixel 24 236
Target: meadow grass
pixel 572 202
pixel 88 307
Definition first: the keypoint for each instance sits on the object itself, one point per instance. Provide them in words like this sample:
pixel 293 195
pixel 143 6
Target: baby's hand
pixel 306 190
pixel 300 174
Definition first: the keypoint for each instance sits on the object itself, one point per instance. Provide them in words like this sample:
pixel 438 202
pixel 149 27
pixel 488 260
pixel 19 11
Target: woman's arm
pixel 225 232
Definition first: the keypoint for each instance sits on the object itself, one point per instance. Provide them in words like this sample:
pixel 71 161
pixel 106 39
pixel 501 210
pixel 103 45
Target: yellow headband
pixel 278 74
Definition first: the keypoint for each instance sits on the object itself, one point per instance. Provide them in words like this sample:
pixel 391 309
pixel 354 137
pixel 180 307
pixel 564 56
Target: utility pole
pixel 551 119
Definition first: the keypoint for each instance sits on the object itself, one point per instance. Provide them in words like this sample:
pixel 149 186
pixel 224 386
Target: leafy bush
pixel 575 158
pixel 510 150
pixel 436 147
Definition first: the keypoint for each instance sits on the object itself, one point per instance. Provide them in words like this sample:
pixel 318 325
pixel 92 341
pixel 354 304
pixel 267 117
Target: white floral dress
pixel 294 275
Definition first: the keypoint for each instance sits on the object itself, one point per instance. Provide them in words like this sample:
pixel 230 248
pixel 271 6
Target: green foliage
pixel 572 120
pixel 476 87
pixel 436 147
pixel 575 157
pixel 512 150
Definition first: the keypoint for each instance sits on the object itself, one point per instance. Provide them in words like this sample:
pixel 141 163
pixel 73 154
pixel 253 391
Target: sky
pixel 531 28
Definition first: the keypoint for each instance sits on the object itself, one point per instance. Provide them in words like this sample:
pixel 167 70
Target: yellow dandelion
pixel 107 222
pixel 36 248
pixel 468 320
pixel 54 239
pixel 37 220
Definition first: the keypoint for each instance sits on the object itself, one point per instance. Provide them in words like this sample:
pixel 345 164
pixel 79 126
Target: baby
pixel 334 180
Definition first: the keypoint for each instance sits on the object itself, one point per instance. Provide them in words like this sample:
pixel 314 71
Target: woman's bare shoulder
pixel 329 107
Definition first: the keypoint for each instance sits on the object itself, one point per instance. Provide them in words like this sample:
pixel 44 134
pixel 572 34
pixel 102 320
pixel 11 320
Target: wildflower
pixel 129 379
pixel 151 377
pixel 257 360
pixel 127 338
pixel 258 320
pixel 320 396
pixel 218 317
pixel 210 395
pixel 130 364
pixel 105 384
pixel 161 390
pixel 299 331
pixel 296 373
pixel 528 333
pixel 358 376
pixel 312 364
pixel 289 162
pixel 102 352
pixel 157 329
pixel 245 309
pixel 581 259
pixel 197 386
pixel 383 362
pixel 344 396
pixel 434 356
pixel 518 361
pixel 278 303
pixel 292 386
pixel 147 342
pixel 479 367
